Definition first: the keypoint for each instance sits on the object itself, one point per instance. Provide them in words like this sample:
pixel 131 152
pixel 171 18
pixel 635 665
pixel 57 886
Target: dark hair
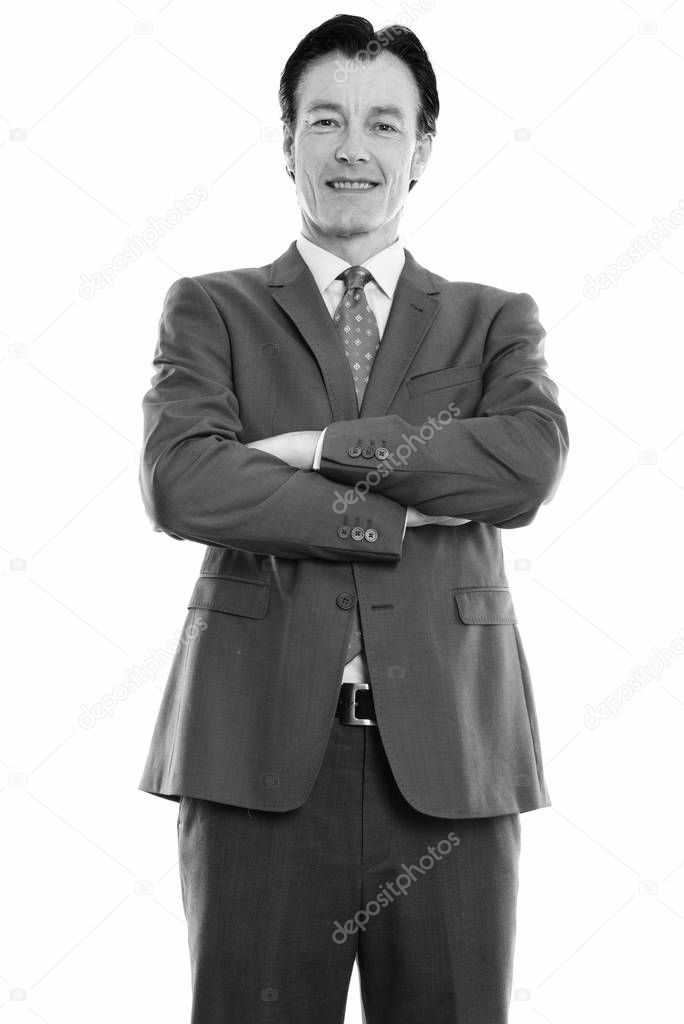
pixel 356 38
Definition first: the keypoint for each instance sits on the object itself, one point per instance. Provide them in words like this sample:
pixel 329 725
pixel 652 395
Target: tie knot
pixel 355 277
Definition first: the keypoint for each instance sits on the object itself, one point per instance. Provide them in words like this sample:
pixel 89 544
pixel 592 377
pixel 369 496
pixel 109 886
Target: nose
pixel 352 146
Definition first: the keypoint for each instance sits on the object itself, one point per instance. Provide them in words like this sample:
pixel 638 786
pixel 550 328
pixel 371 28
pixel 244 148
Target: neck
pixel 354 249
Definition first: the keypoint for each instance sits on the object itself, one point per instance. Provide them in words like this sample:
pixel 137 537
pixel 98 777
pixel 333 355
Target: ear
pixel 421 155
pixel 288 150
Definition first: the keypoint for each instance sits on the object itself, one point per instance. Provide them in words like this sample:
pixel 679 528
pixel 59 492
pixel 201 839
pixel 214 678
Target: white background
pixel 558 143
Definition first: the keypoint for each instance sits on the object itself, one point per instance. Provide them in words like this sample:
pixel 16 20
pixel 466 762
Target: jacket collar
pixel 413 310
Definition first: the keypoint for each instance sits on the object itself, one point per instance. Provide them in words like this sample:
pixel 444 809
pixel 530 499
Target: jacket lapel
pixel 413 310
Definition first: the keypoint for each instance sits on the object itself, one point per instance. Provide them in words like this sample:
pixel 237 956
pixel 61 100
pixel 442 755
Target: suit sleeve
pixel 200 482
pixel 498 466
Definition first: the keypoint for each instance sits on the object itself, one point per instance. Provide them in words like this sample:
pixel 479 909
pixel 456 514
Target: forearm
pixel 486 469
pixel 217 492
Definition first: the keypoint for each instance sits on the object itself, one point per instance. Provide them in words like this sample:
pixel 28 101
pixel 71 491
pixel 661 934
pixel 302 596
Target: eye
pixel 330 120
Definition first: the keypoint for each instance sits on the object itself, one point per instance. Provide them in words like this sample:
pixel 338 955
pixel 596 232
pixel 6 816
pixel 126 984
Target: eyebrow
pixel 324 105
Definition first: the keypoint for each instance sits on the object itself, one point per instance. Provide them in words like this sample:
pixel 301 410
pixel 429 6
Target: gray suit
pixel 249 703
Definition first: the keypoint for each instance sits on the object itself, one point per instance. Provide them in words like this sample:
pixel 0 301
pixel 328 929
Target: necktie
pixel 357 327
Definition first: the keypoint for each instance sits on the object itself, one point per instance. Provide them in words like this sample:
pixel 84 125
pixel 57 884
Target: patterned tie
pixel 356 324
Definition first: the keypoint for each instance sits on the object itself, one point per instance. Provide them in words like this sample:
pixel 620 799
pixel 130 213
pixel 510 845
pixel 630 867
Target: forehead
pixel 384 81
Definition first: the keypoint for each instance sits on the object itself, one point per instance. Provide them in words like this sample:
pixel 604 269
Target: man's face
pixel 360 127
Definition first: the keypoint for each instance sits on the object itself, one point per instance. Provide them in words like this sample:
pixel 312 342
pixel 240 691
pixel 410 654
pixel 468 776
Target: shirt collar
pixel 385 266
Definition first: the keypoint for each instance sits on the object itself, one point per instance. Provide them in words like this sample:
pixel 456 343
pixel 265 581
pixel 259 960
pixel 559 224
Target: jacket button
pixel 371 534
pixel 354 451
pixel 343 531
pixel 358 533
pixel 381 452
pixel 368 452
pixel 345 600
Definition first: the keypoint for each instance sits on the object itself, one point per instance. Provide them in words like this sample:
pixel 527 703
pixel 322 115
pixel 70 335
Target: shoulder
pixel 239 277
pixel 481 301
pixel 219 287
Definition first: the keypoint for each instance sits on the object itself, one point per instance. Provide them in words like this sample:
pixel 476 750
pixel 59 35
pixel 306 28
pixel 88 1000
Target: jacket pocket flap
pixel 232 595
pixel 461 374
pixel 485 606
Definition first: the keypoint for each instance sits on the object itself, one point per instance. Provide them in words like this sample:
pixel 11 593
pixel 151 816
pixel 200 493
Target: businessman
pixel 348 724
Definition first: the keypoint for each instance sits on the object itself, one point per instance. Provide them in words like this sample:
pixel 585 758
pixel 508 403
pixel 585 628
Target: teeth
pixel 352 185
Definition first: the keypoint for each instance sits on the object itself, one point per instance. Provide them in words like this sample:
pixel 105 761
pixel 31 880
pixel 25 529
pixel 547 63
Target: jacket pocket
pixel 231 595
pixel 464 373
pixel 485 606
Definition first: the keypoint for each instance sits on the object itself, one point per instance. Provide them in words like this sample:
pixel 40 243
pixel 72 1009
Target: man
pixel 349 724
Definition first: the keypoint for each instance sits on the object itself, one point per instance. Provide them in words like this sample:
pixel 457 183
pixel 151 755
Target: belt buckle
pixel 349 705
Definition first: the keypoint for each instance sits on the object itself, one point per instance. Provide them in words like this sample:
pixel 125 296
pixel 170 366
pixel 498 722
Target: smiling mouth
pixel 352 186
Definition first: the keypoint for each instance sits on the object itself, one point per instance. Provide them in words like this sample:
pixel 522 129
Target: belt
pixel 355 705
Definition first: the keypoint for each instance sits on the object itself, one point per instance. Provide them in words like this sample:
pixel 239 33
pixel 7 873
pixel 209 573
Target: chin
pixel 353 220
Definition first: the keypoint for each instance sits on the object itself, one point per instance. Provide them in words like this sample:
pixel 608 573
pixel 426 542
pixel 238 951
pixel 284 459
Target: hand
pixel 416 518
pixel 296 447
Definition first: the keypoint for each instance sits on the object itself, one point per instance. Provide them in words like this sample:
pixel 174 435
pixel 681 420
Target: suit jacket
pixel 459 418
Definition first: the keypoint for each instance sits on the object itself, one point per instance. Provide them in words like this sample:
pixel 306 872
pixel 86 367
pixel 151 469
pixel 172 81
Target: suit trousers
pixel 280 904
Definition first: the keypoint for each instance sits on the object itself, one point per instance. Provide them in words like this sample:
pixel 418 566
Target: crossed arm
pixel 200 482
pixel 298 448
pixel 497 466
